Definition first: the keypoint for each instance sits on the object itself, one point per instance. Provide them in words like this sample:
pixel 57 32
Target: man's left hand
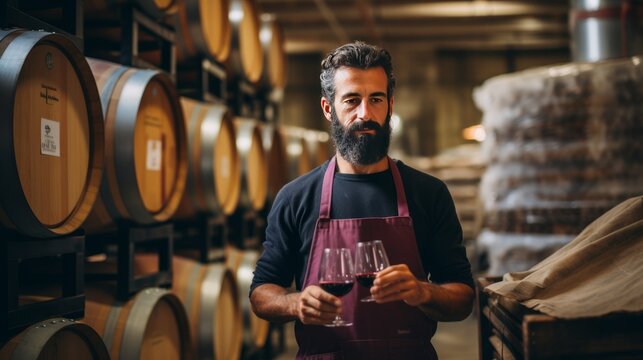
pixel 396 283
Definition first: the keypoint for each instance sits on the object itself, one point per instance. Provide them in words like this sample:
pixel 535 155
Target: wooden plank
pixel 613 336
pixel 459 173
pixel 485 351
pixel 501 349
pixel 512 324
pixel 537 336
pixel 514 308
pixel 468 206
pixel 506 333
pixel 465 192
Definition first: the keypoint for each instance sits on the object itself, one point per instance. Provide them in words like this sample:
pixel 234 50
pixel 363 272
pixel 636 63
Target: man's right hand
pixel 317 307
pixel 311 306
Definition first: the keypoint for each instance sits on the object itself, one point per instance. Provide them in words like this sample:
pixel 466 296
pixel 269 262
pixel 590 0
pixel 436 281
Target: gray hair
pixel 358 55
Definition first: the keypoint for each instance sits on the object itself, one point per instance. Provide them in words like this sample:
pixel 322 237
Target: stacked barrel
pixel 305 149
pixel 95 147
pixel 52 162
pixel 143 183
pixel 56 338
pixel 563 146
pixel 52 146
pixel 213 159
pixel 145 153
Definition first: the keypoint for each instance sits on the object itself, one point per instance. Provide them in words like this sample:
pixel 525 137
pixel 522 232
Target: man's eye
pixel 352 101
pixel 376 100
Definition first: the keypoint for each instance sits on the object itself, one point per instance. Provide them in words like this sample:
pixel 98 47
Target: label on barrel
pixel 49 137
pixel 154 155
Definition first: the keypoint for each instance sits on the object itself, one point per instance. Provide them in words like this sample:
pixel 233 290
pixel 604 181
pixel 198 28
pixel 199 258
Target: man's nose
pixel 364 111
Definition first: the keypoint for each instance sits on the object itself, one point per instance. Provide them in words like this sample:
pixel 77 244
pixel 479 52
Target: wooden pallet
pixel 509 330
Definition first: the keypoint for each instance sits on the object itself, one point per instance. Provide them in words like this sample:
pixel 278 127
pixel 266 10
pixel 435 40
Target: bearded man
pixel 363 195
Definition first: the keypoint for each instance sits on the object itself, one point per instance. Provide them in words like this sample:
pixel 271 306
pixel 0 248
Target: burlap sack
pixel 599 272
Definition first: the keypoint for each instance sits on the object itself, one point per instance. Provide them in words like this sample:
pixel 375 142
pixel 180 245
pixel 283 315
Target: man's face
pixel 357 146
pixel 360 115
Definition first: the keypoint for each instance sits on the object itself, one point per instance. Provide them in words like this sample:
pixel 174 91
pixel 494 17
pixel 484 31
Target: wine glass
pixel 370 258
pixel 336 276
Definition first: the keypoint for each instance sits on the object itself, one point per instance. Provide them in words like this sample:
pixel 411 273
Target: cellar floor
pixel 453 340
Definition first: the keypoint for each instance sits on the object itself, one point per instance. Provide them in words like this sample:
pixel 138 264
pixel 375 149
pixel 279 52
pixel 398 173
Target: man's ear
pixel 326 108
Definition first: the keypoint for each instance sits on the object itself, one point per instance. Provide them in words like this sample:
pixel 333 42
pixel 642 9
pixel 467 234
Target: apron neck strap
pixel 327 189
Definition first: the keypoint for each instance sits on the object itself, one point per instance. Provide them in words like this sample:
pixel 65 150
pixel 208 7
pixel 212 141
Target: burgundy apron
pixel 380 331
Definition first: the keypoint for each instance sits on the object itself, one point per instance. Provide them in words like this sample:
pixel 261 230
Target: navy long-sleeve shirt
pixel 294 213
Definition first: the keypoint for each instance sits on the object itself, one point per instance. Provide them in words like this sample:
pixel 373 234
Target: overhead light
pixel 294 149
pixel 396 123
pixel 323 136
pixel 235 15
pixel 475 132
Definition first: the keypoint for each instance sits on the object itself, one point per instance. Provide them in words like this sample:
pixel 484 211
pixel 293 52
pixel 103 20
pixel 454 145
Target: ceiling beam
pixel 420 9
pixel 488 44
pixel 320 25
pixel 475 8
pixel 366 11
pixel 428 30
pixel 329 15
pixel 313 15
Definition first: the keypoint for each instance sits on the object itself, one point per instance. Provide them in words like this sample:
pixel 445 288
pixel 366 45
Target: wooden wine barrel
pixel 254 169
pixel 246 60
pixel 214 175
pixel 203 28
pixel 274 54
pixel 242 263
pixel 319 150
pixel 151 325
pixel 154 8
pixel 275 149
pixel 56 338
pixel 211 299
pixel 299 158
pixel 51 138
pixel 145 147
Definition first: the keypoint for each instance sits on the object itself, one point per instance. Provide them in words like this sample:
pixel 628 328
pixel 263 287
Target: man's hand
pixel 315 306
pixel 396 283
pixel 441 302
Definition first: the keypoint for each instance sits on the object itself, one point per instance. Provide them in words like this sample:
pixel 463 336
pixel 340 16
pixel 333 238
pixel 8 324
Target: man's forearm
pixel 447 302
pixel 274 303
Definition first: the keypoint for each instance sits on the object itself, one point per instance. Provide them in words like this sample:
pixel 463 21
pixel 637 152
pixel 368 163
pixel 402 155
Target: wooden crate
pixel 509 330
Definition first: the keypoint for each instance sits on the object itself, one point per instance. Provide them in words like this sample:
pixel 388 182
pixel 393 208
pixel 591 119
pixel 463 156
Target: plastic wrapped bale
pixel 563 146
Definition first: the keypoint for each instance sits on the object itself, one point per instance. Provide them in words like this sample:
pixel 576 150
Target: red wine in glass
pixel 366 279
pixel 336 276
pixel 370 257
pixel 338 289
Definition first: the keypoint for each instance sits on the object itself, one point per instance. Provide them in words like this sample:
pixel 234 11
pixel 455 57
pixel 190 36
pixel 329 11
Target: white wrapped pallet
pixel 563 146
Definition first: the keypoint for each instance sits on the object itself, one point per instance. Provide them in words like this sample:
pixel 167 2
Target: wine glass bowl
pixel 336 276
pixel 370 258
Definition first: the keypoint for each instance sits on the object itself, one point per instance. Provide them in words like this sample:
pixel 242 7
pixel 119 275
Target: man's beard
pixel 361 149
